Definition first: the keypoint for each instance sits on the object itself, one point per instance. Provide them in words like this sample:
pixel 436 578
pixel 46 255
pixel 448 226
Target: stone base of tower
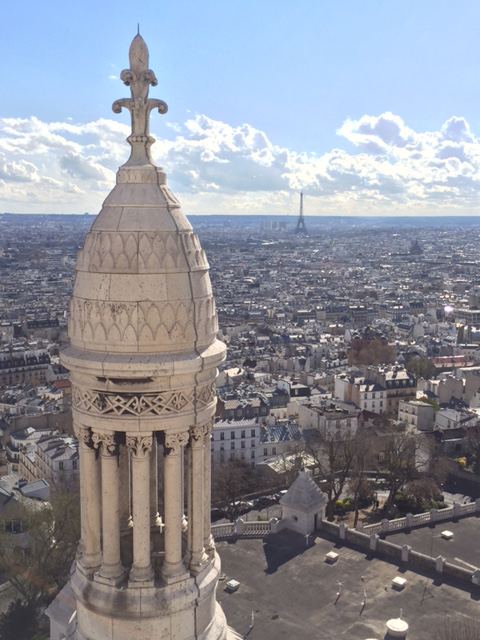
pixel 186 610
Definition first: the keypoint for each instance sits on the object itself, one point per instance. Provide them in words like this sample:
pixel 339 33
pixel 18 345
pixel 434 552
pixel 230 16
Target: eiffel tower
pixel 301 228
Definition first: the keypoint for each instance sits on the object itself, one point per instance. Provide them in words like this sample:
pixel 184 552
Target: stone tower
pixel 143 359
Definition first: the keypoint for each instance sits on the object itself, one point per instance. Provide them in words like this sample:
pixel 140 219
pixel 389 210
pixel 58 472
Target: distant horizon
pixel 281 216
pixel 369 113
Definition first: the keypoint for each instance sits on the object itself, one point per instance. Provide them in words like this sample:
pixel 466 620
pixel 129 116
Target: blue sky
pixel 372 108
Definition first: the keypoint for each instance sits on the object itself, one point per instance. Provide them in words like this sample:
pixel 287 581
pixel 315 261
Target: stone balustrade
pixel 410 521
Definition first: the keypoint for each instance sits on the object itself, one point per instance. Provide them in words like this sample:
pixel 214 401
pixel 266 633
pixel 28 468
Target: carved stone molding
pixel 127 175
pixel 140 446
pixel 131 323
pixel 147 404
pixel 106 442
pixel 175 441
pixel 206 394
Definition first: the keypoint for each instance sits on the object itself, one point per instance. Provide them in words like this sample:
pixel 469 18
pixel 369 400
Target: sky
pixel 369 108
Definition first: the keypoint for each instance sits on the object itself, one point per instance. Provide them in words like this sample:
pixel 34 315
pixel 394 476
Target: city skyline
pixel 367 113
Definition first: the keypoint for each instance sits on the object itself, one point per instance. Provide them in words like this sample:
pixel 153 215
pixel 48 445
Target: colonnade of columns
pixel 103 465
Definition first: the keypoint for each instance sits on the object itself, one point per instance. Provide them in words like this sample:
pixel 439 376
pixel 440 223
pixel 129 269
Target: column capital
pixel 83 434
pixel 106 442
pixel 140 446
pixel 199 431
pixel 175 441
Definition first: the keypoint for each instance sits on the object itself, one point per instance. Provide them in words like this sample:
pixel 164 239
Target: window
pixel 242 434
pixel 60 465
pixel 373 395
pixel 222 435
pixel 242 444
pixel 232 456
pixel 252 443
pixel 232 435
pixel 242 455
pixel 74 463
pixel 232 445
pixel 274 451
pixel 265 451
pixel 252 454
pixel 222 447
pixel 252 433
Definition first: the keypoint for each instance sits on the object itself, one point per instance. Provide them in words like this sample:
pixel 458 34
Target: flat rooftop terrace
pixel 292 592
pixel 463 549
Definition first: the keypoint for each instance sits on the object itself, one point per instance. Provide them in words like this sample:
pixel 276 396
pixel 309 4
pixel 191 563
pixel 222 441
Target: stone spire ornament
pixel 139 77
pixel 143 358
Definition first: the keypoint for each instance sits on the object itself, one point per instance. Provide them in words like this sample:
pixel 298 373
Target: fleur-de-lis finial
pixel 139 77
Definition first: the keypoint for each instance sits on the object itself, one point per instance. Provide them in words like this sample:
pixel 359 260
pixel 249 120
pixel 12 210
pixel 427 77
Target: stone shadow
pixel 281 547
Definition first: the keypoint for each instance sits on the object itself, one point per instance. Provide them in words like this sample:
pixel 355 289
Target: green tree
pixel 421 368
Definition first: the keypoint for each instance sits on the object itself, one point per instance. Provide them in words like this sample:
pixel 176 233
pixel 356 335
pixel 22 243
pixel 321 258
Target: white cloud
pixel 214 167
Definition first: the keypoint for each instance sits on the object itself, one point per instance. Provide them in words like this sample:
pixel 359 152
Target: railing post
pixel 239 526
pixel 477 504
pixel 433 515
pixel 273 525
pixel 457 509
pixel 410 520
pixel 385 525
pixel 439 564
pixel 373 541
pixel 405 552
pixel 342 531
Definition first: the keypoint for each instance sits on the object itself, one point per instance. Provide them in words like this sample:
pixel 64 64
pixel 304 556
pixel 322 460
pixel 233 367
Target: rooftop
pixel 292 591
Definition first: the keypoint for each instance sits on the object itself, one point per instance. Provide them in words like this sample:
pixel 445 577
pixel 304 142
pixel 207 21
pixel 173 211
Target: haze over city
pixel 370 109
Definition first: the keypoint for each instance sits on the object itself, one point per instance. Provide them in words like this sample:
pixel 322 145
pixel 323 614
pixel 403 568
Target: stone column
pixel 196 522
pixel 141 448
pixel 125 490
pixel 112 570
pixel 89 466
pixel 173 567
pixel 209 544
pixel 154 515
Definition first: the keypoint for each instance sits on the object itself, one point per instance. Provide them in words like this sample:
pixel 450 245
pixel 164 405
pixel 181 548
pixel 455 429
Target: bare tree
pixel 398 462
pixel 359 483
pixel 232 480
pixel 334 455
pixel 38 545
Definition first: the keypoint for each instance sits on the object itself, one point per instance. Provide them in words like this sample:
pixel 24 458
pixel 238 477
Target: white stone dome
pixel 142 283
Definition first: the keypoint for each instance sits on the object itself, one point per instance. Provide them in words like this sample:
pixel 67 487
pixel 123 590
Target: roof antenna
pixel 138 28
